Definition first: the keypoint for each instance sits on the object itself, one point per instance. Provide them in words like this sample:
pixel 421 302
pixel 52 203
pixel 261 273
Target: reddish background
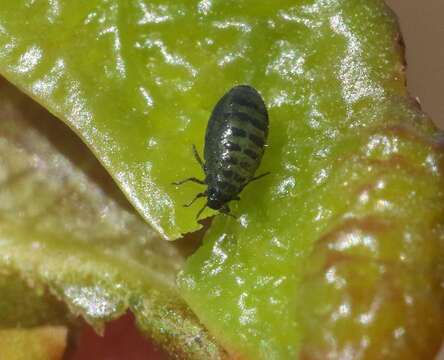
pixel 121 341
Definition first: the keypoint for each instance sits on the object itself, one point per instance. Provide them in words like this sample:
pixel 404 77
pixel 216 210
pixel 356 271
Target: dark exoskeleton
pixel 234 144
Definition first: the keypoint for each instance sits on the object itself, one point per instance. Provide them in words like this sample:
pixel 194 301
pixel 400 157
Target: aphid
pixel 234 144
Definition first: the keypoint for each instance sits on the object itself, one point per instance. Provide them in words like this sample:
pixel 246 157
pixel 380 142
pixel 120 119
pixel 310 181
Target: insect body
pixel 234 144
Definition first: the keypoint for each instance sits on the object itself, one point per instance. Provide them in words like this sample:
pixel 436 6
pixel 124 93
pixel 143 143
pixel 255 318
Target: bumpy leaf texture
pixel 71 243
pixel 338 253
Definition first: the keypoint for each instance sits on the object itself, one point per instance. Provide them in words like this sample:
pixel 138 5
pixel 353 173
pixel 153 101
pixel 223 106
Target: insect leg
pixel 226 211
pixel 260 176
pixel 197 197
pixel 200 211
pixel 257 177
pixel 197 157
pixel 192 179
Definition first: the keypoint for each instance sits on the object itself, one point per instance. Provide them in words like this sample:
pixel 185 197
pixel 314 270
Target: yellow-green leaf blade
pixel 339 252
pixel 66 229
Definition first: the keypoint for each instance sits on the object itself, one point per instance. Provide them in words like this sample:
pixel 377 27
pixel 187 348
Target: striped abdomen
pixel 234 142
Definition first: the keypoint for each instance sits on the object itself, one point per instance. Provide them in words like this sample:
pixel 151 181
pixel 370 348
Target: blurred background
pixel 422 25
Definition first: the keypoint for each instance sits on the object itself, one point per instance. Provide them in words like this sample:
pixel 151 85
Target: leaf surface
pixel 338 252
pixel 68 236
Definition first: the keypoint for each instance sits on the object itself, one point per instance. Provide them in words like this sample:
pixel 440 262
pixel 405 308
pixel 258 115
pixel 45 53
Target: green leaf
pixel 66 229
pixel 137 82
pixel 338 252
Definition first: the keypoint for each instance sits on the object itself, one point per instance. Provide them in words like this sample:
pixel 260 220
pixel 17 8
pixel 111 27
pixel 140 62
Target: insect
pixel 234 144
